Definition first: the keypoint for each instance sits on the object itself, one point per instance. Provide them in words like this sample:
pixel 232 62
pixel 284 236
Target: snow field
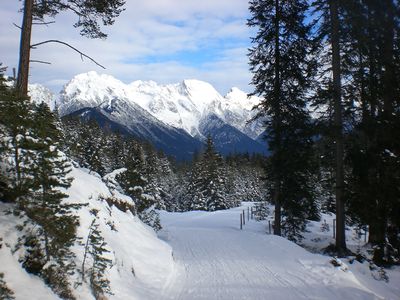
pixel 217 260
pixel 201 255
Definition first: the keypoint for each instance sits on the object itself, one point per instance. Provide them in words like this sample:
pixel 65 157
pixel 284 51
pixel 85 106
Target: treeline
pixel 328 74
pixel 209 182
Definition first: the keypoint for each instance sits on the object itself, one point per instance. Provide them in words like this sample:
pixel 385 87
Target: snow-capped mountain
pixel 187 108
pixel 39 94
pixel 180 105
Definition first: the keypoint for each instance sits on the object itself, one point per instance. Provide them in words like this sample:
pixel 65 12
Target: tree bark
pixel 277 92
pixel 278 213
pixel 338 126
pixel 389 74
pixel 25 49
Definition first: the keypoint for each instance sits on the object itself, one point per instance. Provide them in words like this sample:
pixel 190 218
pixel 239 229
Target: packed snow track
pixel 214 259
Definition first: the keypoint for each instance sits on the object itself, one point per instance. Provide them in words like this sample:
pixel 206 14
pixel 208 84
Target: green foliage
pixel 89 13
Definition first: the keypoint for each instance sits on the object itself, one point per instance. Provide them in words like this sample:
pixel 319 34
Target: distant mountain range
pixel 175 118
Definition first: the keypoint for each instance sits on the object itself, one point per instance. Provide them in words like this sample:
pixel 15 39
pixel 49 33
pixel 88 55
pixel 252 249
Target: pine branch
pixel 68 45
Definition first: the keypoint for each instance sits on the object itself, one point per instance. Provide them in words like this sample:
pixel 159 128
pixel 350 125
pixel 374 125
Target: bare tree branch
pixel 43 23
pixel 40 62
pixel 19 27
pixel 68 45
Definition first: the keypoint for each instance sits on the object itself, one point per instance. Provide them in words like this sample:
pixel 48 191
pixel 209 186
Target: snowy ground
pixel 211 257
pixel 214 259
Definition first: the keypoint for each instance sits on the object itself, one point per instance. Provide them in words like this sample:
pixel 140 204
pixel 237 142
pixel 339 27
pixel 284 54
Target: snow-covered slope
pixel 181 105
pixel 141 263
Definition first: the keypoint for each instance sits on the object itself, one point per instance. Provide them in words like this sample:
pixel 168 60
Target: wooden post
pixel 248 213
pixel 269 226
pixel 365 234
pixel 241 222
pixel 334 228
pixel 252 217
pixel 244 218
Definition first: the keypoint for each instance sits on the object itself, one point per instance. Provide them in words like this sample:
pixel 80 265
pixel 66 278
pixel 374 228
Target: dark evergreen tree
pixel 207 186
pixel 332 33
pixel 284 69
pixel 374 56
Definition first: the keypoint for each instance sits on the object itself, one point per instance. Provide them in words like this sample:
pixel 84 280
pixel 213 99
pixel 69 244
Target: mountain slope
pixel 228 138
pixel 173 142
pixel 168 115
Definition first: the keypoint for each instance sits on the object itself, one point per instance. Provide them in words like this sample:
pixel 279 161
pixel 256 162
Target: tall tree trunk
pixel 25 49
pixel 278 211
pixel 277 92
pixel 389 74
pixel 338 125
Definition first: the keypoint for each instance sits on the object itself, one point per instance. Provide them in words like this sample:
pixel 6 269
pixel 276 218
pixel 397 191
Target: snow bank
pixel 141 263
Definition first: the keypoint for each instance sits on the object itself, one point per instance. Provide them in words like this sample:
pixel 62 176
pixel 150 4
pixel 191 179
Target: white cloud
pixel 146 29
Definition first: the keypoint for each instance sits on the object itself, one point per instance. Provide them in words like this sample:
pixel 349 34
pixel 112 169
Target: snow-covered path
pixel 216 260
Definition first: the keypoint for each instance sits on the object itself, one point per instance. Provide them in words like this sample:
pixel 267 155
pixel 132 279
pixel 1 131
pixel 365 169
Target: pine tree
pixel 95 248
pixel 373 151
pixel 49 253
pixel 133 180
pixel 15 123
pixel 283 69
pixel 207 190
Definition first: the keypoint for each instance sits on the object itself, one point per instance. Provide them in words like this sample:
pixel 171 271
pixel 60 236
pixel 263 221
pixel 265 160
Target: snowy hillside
pixel 181 105
pixel 141 263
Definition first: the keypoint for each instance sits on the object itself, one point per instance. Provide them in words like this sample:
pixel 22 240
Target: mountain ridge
pixel 173 117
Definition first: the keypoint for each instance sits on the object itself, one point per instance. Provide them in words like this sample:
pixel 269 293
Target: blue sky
pixel 162 40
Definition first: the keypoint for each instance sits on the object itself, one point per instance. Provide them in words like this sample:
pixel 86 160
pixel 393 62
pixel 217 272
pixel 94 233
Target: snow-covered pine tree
pixel 15 123
pixel 135 183
pixel 133 180
pixel 94 255
pixel 207 190
pixel 52 224
pixel 215 178
pixel 86 143
pixel 194 198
